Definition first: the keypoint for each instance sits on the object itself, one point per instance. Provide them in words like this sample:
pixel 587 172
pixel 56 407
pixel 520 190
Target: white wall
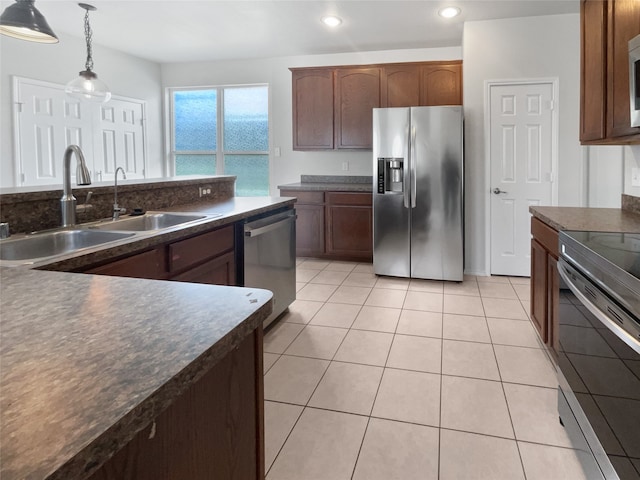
pixel 59 63
pixel 275 71
pixel 510 49
pixel 631 160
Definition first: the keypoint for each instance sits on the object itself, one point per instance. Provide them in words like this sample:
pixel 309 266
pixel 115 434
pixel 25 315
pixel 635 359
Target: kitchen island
pixel 108 377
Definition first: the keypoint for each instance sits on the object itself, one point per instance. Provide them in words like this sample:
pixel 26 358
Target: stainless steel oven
pixel 599 357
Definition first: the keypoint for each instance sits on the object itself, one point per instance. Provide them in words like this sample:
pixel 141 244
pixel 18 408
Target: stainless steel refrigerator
pixel 418 192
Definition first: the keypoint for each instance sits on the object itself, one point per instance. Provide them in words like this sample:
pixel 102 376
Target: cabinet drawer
pixel 545 235
pixel 217 271
pixel 304 196
pixel 143 265
pixel 193 250
pixel 349 198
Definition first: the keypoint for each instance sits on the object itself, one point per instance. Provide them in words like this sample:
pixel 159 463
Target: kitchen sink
pixel 48 244
pixel 150 221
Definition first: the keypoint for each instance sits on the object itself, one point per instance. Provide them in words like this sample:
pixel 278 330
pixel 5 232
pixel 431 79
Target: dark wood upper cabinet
pixel 313 109
pixel 593 60
pixel 332 105
pixel 605 29
pixel 441 84
pixel 357 94
pixel 624 24
pixel 400 85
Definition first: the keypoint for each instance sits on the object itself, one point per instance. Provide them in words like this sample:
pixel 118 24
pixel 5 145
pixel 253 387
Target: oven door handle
pixel 621 333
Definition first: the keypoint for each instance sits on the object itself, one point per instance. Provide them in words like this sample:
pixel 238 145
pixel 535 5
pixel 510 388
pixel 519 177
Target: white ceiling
pixel 180 31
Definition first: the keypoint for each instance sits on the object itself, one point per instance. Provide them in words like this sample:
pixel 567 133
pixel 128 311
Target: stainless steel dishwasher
pixel 270 258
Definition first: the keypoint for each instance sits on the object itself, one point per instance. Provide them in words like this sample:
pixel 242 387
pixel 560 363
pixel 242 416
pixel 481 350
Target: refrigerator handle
pixel 406 177
pixel 412 165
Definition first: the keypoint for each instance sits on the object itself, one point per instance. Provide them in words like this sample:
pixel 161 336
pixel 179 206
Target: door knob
pixel 497 191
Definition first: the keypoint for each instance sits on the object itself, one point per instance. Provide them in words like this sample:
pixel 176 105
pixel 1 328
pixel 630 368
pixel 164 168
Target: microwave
pixel 634 80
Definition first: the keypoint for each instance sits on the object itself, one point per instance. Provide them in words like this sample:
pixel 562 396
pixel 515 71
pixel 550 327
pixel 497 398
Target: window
pixel 222 131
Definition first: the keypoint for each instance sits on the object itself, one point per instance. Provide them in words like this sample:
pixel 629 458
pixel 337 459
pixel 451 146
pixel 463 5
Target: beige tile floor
pixel 383 378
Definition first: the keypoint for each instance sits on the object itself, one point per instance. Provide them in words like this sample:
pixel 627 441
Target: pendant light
pixel 87 86
pixel 23 20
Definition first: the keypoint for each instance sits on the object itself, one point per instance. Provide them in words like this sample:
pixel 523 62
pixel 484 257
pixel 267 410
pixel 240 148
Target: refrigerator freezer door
pixel 436 220
pixel 391 225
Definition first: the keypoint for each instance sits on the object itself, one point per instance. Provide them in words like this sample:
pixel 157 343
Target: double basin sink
pixel 38 246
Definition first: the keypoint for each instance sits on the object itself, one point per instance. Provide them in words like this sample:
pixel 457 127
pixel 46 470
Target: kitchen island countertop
pixel 88 361
pixel 588 219
pixel 231 210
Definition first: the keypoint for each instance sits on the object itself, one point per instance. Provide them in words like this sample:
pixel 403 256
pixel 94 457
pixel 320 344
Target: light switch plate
pixel 635 177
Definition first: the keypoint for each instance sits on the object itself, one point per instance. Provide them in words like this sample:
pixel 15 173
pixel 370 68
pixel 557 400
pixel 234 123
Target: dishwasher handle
pixel 254 232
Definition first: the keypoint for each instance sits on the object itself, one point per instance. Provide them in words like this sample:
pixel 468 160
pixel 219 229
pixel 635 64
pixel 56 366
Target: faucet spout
pixel 68 201
pixel 116 208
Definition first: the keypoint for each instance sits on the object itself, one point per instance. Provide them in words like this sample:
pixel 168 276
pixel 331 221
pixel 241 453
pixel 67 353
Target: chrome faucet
pixel 68 201
pixel 116 209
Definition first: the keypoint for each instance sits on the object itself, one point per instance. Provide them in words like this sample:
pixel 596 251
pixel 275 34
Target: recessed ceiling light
pixel 449 12
pixel 331 21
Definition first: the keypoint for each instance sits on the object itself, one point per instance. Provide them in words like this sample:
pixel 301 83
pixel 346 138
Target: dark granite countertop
pixel 88 361
pixel 231 210
pixel 588 219
pixel 331 183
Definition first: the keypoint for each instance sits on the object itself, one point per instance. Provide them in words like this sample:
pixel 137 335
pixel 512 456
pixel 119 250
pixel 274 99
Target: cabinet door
pixel 624 24
pixel 309 230
pixel 553 294
pixel 349 231
pixel 441 84
pixel 349 225
pixel 312 109
pixel 213 430
pixel 593 60
pixel 539 288
pixel 193 251
pixel 357 94
pixel 218 271
pixel 143 265
pixel 400 86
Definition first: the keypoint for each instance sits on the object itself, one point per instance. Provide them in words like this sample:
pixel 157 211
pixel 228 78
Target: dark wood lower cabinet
pixel 539 289
pixel 204 258
pixel 333 225
pixel 149 264
pixel 309 230
pixel 214 430
pixel 349 225
pixel 219 271
pixel 545 283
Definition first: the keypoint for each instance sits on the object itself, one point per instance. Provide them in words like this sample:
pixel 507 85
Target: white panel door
pixel 47 121
pixel 520 152
pixel 119 138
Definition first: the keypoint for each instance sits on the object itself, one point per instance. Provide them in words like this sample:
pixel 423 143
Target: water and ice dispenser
pixel 390 175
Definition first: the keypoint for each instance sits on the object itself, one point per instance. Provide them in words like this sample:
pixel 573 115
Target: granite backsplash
pixel 40 210
pixel 631 203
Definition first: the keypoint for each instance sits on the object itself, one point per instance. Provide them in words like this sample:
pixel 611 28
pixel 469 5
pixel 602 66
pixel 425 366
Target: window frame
pixel 220 151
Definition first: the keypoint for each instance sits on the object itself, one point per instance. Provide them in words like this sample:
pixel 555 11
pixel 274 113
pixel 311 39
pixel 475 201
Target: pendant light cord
pixel 88 34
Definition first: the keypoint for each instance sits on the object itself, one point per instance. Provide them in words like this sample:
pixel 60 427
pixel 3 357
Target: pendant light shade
pixel 87 86
pixel 23 20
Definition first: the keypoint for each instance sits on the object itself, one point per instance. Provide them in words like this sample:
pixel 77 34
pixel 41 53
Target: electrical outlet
pixel 345 166
pixel 635 177
pixel 204 191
